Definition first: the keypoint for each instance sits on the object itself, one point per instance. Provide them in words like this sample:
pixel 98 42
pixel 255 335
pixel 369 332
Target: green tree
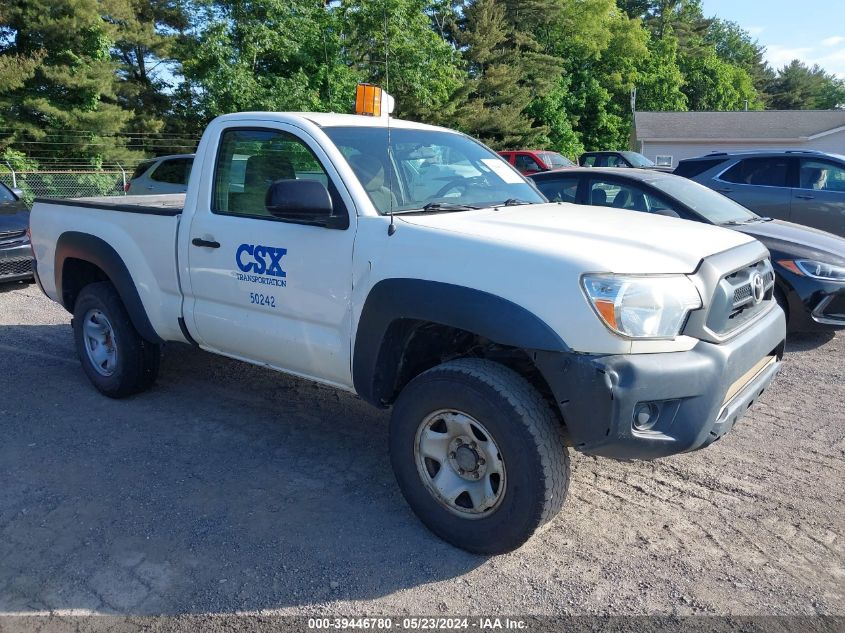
pixel 266 55
pixel 506 73
pixel 734 45
pixel 661 83
pixel 714 84
pixel 798 87
pixel 601 51
pixel 148 34
pixel 65 102
pixel 392 41
pixel 307 55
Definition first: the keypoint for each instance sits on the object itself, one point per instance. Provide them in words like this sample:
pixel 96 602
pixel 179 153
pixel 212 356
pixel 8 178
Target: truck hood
pixel 601 239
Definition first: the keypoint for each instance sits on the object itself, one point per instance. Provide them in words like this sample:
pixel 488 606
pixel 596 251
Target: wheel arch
pixel 82 259
pixel 396 310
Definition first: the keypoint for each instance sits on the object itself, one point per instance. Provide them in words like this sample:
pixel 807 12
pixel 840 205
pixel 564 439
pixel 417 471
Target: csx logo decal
pixel 261 260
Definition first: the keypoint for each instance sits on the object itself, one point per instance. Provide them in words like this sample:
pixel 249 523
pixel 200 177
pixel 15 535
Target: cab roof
pixel 331 119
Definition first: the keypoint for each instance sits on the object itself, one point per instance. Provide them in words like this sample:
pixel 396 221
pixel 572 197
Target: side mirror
pixel 303 201
pixel 669 213
pixel 18 192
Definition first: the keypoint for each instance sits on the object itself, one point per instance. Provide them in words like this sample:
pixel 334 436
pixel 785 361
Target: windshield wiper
pixel 447 206
pixel 437 207
pixel 512 202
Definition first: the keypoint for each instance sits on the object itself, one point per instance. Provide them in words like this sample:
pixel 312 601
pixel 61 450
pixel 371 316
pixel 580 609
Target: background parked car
pixel 530 161
pixel 618 159
pixel 15 252
pixel 165 174
pixel 809 264
pixel 804 187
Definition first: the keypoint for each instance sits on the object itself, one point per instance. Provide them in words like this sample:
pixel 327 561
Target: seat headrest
pixel 810 176
pixel 263 169
pixel 622 199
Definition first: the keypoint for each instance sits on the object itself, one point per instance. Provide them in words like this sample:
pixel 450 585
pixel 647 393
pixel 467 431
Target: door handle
pixel 724 190
pixel 804 196
pixel 205 243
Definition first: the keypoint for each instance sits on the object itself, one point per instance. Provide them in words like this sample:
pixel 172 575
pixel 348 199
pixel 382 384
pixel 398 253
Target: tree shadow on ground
pixel 225 488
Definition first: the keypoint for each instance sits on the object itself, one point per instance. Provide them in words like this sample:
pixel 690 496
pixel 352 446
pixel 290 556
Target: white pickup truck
pixel 411 265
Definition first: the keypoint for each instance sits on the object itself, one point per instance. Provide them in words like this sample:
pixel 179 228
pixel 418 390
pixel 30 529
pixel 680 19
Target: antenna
pixel 391 229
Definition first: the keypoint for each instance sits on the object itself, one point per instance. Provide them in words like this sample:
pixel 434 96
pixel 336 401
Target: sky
pixel 810 30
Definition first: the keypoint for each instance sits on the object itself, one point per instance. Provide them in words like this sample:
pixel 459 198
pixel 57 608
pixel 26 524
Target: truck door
pixel 264 289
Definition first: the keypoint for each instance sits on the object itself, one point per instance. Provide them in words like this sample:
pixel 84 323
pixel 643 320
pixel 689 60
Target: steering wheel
pixel 459 183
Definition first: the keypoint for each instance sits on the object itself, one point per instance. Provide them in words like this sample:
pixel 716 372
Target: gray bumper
pixel 15 261
pixel 694 397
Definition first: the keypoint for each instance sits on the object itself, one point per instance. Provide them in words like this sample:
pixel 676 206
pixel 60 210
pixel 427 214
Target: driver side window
pixel 821 175
pixel 250 160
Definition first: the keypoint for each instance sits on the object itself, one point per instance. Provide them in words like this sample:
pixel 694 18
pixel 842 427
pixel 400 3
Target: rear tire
pixel 502 450
pixel 117 361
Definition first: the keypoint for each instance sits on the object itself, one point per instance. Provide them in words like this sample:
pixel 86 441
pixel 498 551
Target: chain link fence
pixel 54 183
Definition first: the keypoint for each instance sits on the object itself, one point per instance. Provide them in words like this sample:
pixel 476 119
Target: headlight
pixel 642 307
pixel 814 269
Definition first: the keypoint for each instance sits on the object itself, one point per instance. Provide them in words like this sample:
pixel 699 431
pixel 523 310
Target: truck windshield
pixel 429 170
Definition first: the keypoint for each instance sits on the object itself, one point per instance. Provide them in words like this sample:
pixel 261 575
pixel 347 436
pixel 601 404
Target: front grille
pixel 742 293
pixel 735 303
pixel 15 267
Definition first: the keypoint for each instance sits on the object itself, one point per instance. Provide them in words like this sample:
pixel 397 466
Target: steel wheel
pixel 98 335
pixel 460 464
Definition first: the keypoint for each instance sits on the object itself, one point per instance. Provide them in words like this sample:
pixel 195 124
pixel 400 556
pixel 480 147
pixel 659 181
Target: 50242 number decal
pixel 262 300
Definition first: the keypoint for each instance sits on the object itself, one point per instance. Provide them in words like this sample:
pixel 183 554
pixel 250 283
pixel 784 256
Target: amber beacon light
pixel 368 100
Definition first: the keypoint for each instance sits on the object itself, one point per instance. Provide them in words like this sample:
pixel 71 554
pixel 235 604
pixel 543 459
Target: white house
pixel 667 137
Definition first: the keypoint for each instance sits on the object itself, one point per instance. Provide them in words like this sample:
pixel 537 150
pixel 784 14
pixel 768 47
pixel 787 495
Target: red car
pixel 530 161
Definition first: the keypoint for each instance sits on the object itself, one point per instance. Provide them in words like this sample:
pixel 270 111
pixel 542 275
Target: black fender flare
pixel 96 251
pixel 476 311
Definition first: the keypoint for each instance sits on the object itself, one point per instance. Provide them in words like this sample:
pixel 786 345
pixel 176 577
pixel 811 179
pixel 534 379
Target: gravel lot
pixel 231 488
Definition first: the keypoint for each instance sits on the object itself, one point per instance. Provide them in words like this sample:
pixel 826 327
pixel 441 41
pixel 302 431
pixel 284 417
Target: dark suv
pixel 804 187
pixel 15 251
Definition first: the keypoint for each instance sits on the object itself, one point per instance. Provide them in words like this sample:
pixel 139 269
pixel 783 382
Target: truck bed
pixel 165 204
pixel 140 230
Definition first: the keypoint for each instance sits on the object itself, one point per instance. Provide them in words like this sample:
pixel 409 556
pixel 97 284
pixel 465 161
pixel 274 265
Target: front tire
pixel 479 455
pixel 117 361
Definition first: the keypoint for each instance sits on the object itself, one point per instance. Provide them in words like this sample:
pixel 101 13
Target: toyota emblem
pixel 758 288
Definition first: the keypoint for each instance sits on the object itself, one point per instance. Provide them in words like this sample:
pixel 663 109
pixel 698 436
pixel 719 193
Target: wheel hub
pixel 98 337
pixel 465 459
pixel 460 463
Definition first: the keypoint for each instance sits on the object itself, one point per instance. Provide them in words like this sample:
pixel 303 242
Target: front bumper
pixel 15 261
pixel 694 397
pixel 815 304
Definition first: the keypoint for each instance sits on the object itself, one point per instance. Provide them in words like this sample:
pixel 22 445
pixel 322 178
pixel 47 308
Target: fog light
pixel 646 415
